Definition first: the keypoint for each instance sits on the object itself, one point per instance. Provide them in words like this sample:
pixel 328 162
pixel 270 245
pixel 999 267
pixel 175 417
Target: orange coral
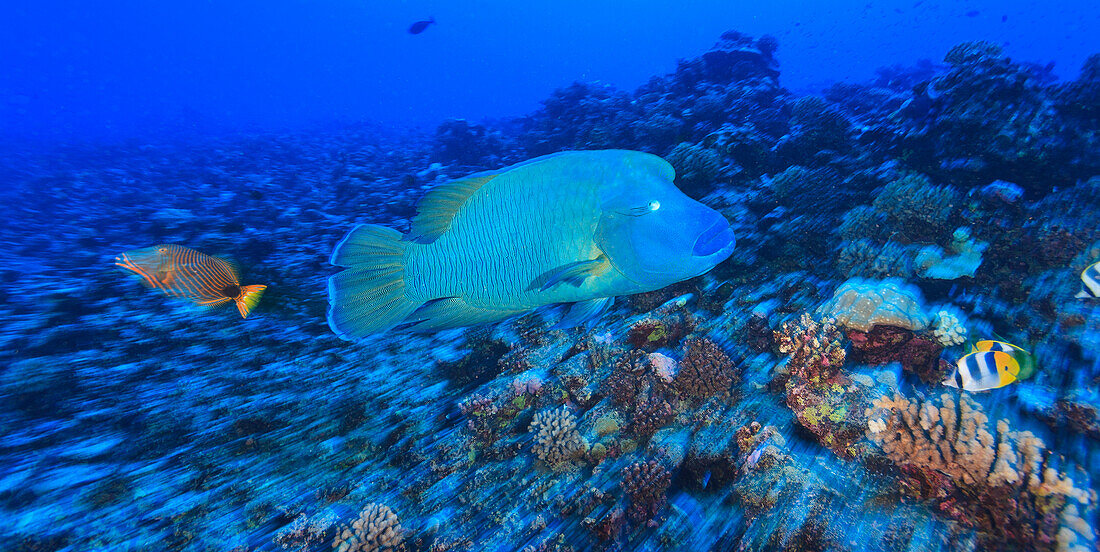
pixel 1010 468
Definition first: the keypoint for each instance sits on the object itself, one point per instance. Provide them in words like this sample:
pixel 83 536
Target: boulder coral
pixel 860 304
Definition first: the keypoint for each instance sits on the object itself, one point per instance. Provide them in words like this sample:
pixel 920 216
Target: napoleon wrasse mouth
pixel 719 236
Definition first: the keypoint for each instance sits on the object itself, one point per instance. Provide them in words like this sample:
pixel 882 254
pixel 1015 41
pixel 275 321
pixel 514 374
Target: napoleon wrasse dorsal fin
pixel 438 207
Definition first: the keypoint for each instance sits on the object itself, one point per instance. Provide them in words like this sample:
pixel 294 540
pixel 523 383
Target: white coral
pixel 556 437
pixel 377 529
pixel 950 329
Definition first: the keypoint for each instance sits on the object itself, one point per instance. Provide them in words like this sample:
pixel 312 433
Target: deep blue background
pixel 119 69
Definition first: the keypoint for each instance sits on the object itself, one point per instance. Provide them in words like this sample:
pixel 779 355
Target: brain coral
pixel 861 304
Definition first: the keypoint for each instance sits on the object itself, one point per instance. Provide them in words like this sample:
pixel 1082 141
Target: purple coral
pixel 645 485
pixel 705 371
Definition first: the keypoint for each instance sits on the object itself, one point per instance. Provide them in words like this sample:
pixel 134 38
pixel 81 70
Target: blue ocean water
pixel 889 341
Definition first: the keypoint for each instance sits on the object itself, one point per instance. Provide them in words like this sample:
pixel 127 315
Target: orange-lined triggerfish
pixel 182 272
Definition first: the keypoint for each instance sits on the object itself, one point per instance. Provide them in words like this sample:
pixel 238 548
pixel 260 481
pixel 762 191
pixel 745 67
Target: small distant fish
pixel 984 370
pixel 182 272
pixel 973 13
pixel 755 455
pixel 1090 282
pixel 419 26
pixel 1004 18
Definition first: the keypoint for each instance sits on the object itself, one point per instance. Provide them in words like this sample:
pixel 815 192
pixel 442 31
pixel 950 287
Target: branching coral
pixel 377 529
pixel 950 328
pixel 627 377
pixel 816 349
pixel 645 484
pixel 556 440
pixel 1036 504
pixel 705 371
pixel 824 400
pixel 650 416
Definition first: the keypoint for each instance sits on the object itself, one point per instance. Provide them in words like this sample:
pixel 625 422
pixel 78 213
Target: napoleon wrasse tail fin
pixel 369 295
pixel 249 298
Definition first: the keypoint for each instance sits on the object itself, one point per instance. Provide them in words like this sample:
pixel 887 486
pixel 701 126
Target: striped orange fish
pixel 182 272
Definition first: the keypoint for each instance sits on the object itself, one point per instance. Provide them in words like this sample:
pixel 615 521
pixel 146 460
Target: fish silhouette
pixel 419 26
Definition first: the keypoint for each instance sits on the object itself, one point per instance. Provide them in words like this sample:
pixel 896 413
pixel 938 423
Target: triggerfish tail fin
pixel 369 296
pixel 249 298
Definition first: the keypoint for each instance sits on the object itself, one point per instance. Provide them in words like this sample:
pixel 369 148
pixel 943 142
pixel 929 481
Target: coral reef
pixel 968 465
pixel 725 412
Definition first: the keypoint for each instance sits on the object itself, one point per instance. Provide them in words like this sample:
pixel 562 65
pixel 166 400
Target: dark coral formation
pixel 645 484
pixel 705 371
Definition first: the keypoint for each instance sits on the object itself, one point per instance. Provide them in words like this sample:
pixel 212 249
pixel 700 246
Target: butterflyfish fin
pixel 582 312
pixel 369 295
pixel 438 207
pixel 1027 366
pixel 573 273
pixel 451 312
pixel 1082 295
pixel 249 298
